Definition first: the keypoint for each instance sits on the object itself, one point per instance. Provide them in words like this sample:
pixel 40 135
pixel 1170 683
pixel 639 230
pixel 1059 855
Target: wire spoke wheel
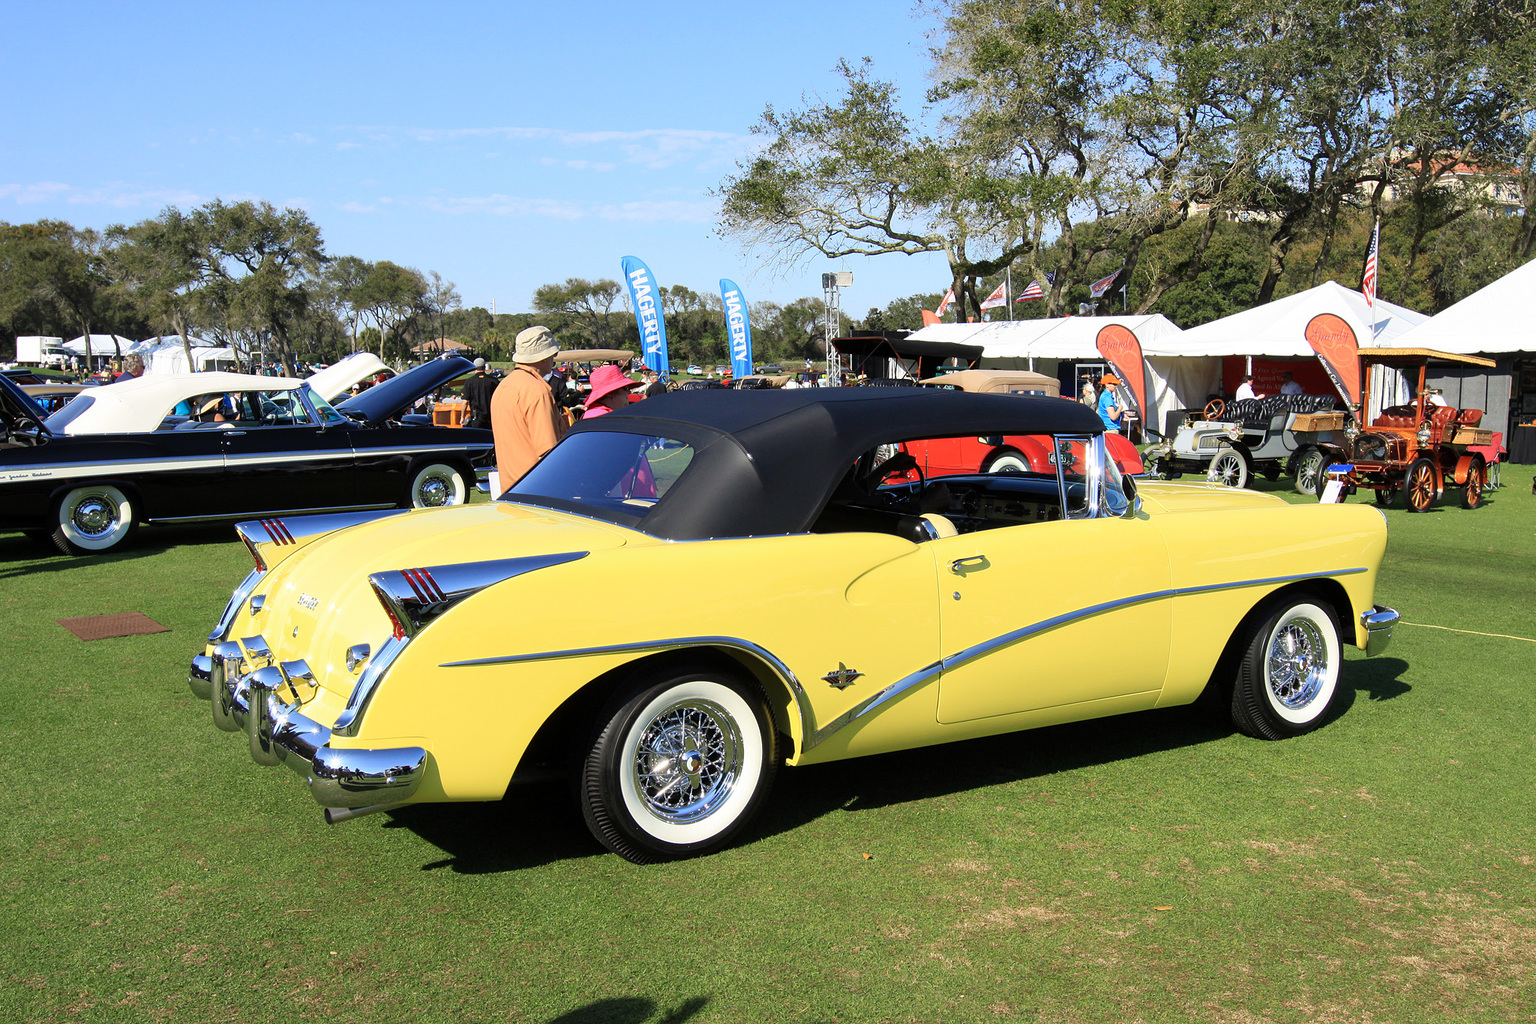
pixel 1477 482
pixel 679 766
pixel 1229 468
pixel 1419 485
pixel 1311 473
pixel 1290 670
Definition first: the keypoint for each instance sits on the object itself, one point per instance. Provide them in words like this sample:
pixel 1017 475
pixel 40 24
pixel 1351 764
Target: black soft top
pixel 765 462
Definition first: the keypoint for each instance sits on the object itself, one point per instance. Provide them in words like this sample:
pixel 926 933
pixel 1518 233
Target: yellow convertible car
pixel 764 578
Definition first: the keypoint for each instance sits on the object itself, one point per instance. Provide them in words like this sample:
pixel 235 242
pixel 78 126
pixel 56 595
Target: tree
pixel 262 264
pixel 585 305
pixel 53 273
pixel 440 297
pixel 860 178
pixel 390 295
pixel 161 262
pixel 341 284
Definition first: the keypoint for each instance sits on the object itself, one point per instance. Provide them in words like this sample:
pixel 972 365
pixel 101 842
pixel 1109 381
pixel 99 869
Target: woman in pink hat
pixel 610 391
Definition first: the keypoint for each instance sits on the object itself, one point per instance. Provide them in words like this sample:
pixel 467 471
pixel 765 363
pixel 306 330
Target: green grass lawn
pixel 1156 867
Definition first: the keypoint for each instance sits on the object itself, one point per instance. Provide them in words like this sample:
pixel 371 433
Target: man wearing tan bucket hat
pixel 524 420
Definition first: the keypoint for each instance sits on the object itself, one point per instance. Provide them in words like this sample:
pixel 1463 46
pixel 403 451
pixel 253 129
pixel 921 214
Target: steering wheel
pixel 1214 408
pixel 901 462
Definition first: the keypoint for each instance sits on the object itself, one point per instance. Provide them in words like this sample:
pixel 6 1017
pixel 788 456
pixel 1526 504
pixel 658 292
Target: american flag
pixel 1034 291
pixel 1368 279
pixel 1101 286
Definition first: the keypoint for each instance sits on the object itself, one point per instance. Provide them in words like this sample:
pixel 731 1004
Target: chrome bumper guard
pixel 1378 623
pixel 251 702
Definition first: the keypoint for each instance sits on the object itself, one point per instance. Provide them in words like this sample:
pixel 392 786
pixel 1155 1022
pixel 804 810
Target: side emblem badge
pixel 843 677
pixel 309 601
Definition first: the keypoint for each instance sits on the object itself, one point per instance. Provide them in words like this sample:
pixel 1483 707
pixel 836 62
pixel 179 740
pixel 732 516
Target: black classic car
pixel 182 448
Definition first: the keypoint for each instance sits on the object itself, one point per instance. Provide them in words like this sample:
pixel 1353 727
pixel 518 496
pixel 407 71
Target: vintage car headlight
pixel 1351 429
pixel 1423 434
pixel 1235 431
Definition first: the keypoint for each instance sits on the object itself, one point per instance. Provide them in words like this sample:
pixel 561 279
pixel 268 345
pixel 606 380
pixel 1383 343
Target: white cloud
pixel 665 211
pixel 115 194
pixel 653 148
pixel 507 206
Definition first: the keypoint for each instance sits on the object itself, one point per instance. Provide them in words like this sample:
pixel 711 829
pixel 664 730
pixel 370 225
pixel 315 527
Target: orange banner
pixel 1338 351
pixel 1122 350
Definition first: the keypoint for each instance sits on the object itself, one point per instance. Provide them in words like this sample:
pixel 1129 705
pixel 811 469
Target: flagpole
pixel 1008 291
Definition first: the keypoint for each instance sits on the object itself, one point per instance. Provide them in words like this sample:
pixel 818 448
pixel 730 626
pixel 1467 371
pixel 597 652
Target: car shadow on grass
pixel 20 554
pixel 539 823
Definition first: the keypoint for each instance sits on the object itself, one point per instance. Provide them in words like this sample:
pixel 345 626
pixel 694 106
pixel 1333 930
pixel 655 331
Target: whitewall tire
pixel 1290 670
pixel 93 519
pixel 437 485
pixel 679 766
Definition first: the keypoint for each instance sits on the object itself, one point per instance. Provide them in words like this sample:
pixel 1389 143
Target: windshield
pixel 608 472
pixel 323 409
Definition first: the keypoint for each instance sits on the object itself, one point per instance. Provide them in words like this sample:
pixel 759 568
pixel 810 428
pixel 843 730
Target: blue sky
pixel 504 145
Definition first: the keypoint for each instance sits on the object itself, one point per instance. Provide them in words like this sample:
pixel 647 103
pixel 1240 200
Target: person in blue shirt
pixel 1109 402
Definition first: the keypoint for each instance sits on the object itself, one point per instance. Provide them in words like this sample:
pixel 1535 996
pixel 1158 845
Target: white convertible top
pixel 140 405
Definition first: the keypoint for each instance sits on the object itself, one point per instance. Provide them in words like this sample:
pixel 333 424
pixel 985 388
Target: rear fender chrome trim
pixel 273 538
pixel 416 597
pixel 237 601
pixel 765 657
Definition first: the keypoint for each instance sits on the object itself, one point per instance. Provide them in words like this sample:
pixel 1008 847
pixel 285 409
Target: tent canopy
pixel 1278 328
pixel 100 345
pixel 1495 318
pixel 1072 337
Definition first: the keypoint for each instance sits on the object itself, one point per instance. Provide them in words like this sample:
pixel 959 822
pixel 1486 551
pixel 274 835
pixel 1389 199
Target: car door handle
pixel 961 565
pixel 234 433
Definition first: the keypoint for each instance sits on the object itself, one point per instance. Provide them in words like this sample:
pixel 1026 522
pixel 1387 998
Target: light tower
pixel 833 320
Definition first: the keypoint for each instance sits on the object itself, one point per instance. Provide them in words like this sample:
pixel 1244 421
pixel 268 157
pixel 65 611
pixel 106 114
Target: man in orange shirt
pixel 524 419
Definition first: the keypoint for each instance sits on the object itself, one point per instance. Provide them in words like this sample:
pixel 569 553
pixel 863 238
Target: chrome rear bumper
pixel 1378 623
pixel 279 733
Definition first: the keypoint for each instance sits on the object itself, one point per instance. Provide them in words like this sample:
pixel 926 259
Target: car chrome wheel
pixel 686 761
pixel 437 485
pixel 1290 671
pixel 678 767
pixel 93 519
pixel 1297 663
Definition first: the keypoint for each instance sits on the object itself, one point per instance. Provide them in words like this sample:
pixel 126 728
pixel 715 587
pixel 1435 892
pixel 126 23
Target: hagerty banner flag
pixel 738 328
pixel 645 296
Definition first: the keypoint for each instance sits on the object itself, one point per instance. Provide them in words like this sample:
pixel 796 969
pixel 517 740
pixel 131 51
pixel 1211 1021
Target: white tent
pixel 1278 328
pixel 1043 344
pixel 1495 318
pixel 101 345
pixel 170 356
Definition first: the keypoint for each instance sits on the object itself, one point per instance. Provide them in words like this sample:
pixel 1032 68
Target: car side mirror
pixel 1132 499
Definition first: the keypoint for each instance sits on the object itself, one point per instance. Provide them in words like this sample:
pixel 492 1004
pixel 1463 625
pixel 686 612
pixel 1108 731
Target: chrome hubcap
pixel 433 492
pixel 1297 663
pixel 94 516
pixel 687 761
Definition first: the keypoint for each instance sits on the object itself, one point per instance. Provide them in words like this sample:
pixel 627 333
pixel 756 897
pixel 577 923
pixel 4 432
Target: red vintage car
pixel 1021 454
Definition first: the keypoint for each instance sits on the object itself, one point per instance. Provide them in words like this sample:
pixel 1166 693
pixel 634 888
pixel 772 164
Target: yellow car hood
pixel 1168 498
